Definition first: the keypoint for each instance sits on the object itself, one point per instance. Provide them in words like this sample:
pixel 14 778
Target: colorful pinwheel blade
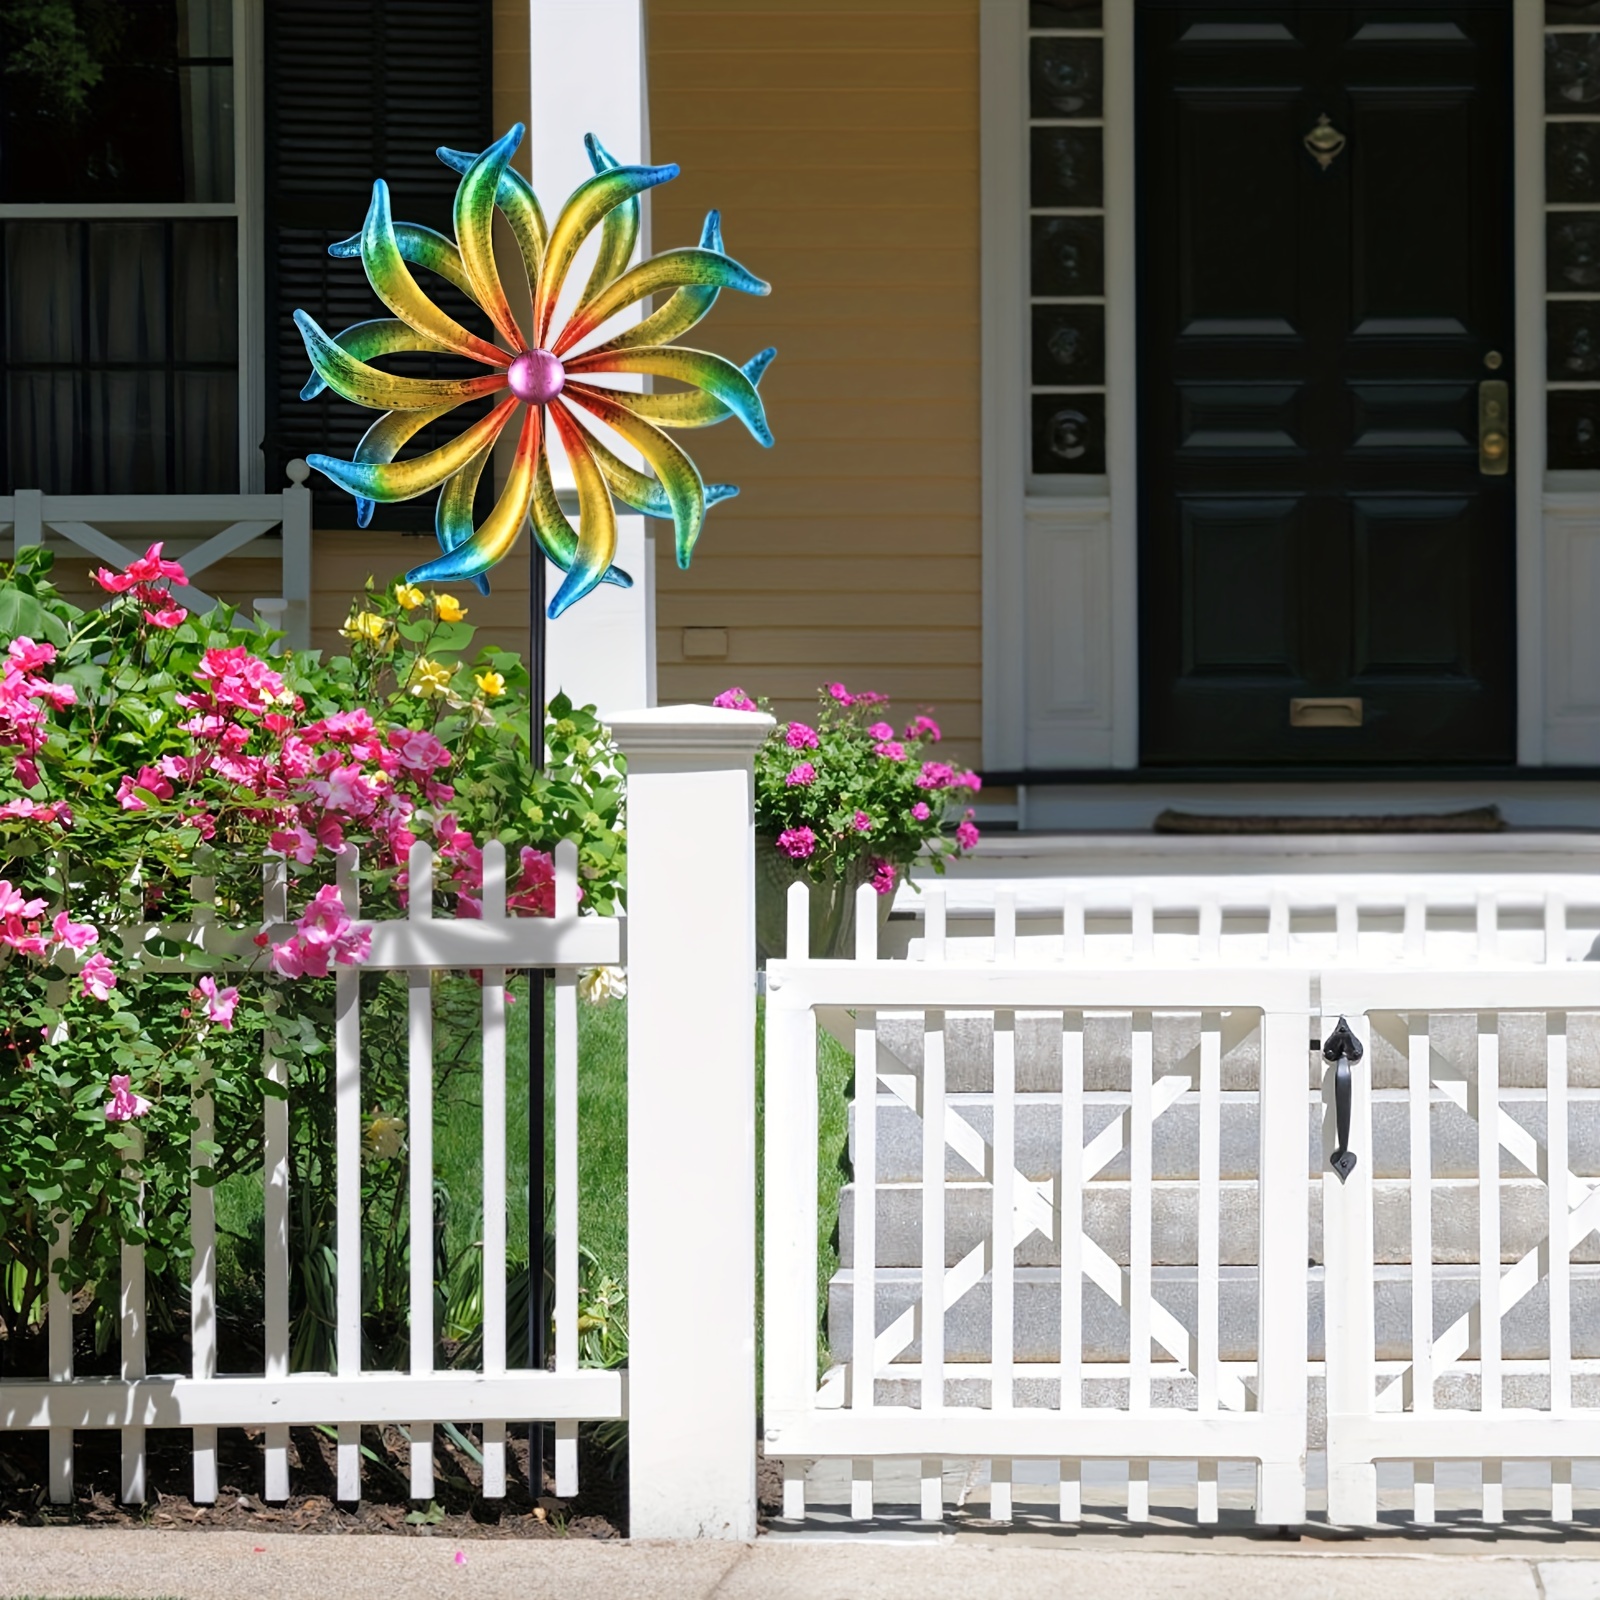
pixel 557 537
pixel 493 541
pixel 694 410
pixel 588 203
pixel 674 269
pixel 452 518
pixel 716 376
pixel 405 480
pixel 380 337
pixel 618 233
pixel 385 391
pixel 474 218
pixel 422 247
pixel 597 517
pixel 518 204
pixel 385 439
pixel 392 282
pixel 679 479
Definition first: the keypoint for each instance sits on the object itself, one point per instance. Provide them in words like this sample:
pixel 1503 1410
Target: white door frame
pixel 1060 569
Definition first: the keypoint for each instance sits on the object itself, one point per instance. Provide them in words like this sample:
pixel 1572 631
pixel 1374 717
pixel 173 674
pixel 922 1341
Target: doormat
pixel 1478 819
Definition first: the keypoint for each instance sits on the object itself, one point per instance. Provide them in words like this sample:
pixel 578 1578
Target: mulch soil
pixel 458 1509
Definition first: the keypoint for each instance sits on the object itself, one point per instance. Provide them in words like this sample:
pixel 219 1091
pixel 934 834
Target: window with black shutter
pixel 120 218
pixel 358 90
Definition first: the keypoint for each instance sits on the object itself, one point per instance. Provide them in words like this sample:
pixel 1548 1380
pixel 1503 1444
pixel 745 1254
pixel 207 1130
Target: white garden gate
pixel 1092 1126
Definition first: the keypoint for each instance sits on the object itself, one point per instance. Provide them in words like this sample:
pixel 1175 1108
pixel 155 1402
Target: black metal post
pixel 538 1306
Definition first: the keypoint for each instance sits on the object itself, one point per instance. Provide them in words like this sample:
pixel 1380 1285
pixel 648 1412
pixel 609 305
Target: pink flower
pixel 219 1002
pixel 75 935
pixel 296 842
pixel 124 1104
pixel 799 737
pixel 323 933
pixel 882 730
pixel 799 776
pixel 890 750
pixel 870 697
pixel 920 811
pixel 535 893
pixel 967 780
pixel 99 979
pixel 841 694
pixel 12 903
pixel 862 822
pixel 26 810
pixel 797 843
pixel 936 775
pixel 967 833
pixel 26 656
pixel 113 582
pixel 883 876
pixel 418 751
pixel 735 700
pixel 166 617
pixel 151 780
pixel 923 728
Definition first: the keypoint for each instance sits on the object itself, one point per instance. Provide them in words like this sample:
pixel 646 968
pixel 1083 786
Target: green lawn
pixel 603 1140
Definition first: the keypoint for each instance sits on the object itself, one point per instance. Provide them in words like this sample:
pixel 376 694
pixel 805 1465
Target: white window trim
pixel 246 210
pixel 1094 723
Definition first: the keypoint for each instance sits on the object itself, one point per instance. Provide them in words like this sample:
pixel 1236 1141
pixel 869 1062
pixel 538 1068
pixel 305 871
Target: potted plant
pixel 849 800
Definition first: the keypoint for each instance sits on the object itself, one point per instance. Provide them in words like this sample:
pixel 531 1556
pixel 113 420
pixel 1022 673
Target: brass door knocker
pixel 1325 142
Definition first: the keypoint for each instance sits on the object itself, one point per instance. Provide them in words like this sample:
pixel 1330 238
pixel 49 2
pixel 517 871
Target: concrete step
pixel 1108 1051
pixel 1175 1136
pixel 1037 1318
pixel 1174 1223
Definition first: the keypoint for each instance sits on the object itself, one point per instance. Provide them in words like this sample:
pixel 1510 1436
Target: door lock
pixel 1494 427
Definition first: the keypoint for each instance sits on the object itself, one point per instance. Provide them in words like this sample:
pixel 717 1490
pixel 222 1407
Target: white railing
pixel 1086 1112
pixel 419 945
pixel 199 530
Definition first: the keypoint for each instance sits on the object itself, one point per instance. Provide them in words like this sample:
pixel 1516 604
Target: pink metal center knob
pixel 537 377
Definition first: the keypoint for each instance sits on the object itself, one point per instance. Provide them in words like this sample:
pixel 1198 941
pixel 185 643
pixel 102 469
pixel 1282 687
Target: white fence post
pixel 691 1120
pixel 297 556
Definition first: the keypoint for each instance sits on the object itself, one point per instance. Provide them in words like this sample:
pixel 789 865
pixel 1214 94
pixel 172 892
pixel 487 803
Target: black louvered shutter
pixel 358 90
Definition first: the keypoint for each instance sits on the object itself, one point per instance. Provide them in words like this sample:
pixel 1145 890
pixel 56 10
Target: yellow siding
pixel 841 143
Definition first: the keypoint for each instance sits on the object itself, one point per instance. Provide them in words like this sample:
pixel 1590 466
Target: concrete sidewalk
pixel 79 1562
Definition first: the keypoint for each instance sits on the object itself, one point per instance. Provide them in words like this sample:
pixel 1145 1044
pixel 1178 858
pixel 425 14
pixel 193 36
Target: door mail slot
pixel 1340 713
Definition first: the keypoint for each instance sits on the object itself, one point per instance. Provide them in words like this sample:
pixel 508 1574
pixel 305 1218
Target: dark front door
pixel 1325 286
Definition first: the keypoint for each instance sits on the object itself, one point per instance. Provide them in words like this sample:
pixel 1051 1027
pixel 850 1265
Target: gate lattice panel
pixel 1134 1362
pixel 1487 1361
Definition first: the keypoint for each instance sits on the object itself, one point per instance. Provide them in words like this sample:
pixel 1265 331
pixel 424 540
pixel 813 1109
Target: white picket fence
pixel 203 1400
pixel 1090 1121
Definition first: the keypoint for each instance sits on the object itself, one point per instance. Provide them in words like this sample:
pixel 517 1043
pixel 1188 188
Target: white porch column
pixel 588 76
pixel 691 1121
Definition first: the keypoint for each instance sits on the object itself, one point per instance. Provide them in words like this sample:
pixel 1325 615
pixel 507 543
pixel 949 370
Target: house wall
pixel 841 143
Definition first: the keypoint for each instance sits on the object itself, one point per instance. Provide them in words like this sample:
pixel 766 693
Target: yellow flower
pixel 430 679
pixel 366 625
pixel 449 608
pixel 492 684
pixel 384 1136
pixel 409 595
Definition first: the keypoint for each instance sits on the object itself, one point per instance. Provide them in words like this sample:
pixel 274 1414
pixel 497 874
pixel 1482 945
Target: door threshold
pixel 1132 801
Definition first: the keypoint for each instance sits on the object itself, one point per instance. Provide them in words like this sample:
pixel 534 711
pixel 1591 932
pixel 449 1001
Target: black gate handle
pixel 1341 1048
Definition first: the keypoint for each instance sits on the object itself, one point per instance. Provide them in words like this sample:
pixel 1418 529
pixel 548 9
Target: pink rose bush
pixel 866 790
pixel 158 769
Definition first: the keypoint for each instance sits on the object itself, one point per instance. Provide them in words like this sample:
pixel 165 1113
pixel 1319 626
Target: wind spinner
pixel 542 369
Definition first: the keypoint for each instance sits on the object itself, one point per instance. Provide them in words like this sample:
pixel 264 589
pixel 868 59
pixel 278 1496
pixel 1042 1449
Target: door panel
pixel 1314 520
